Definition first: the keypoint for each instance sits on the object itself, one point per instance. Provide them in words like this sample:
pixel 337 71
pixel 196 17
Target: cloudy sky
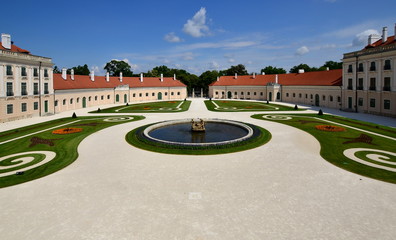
pixel 195 35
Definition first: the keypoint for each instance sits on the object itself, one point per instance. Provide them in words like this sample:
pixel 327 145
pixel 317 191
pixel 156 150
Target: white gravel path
pixel 282 190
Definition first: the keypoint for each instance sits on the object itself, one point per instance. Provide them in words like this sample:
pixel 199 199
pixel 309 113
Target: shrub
pixel 74 115
pixel 320 113
pixel 99 110
pixel 295 107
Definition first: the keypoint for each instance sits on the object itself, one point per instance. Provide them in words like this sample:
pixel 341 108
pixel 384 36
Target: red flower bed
pixel 330 128
pixel 68 130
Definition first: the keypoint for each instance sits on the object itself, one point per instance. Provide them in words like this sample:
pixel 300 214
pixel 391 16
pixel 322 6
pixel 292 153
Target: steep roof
pixel 14 49
pixel 84 82
pixel 319 78
pixel 389 40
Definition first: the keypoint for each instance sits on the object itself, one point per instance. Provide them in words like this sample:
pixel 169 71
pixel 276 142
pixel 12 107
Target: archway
pixel 160 96
pixel 317 100
pixel 84 102
pixel 278 96
pixel 229 94
pixel 270 96
pixel 117 98
pixel 125 98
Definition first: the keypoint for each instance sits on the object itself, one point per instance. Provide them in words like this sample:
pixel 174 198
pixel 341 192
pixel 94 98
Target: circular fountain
pixel 198 136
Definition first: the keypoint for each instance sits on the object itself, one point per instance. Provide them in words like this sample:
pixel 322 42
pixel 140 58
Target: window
pixel 360 101
pixel 23 89
pixel 166 93
pixel 140 94
pixel 235 93
pixel 324 97
pixel 10 91
pixel 306 96
pixel 9 70
pixel 242 93
pixel 217 93
pixel 35 105
pixel 78 100
pixel 71 100
pixel 338 99
pixel 152 94
pixel 178 93
pixel 96 98
pixel 294 95
pixel 23 107
pixel 261 93
pixel 372 66
pixel 46 91
pixel 331 98
pixel 146 94
pixel 372 102
pixel 387 84
pixel 387 65
pixel 299 95
pixel 35 72
pixel 360 84
pixel 10 108
pixel 278 95
pixel 35 88
pixel 134 95
pixel 386 104
pixel 372 84
pixel 55 103
pixel 101 97
pixel 254 93
pixel 350 87
pixel 248 93
pixel 172 93
pixel 89 99
pixel 350 68
pixel 64 102
pixel 287 94
pixel 311 96
pixel 23 72
pixel 46 73
pixel 360 68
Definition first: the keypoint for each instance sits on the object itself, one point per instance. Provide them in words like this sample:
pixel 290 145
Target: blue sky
pixel 195 35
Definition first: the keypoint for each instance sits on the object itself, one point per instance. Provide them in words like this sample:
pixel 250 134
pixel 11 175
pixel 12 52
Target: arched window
pixel 71 100
pixel 331 98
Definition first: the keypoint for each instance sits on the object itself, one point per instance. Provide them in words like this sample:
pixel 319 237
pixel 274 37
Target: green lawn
pixel 364 141
pixel 244 106
pixel 39 137
pixel 149 107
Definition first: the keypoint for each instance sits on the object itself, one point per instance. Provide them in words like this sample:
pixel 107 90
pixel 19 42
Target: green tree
pixel 302 66
pixel 115 67
pixel 206 78
pixel 80 70
pixel 273 70
pixel 331 65
pixel 56 70
pixel 238 69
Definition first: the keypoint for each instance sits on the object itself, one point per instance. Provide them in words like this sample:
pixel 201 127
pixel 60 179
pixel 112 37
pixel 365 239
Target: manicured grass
pixel 65 146
pixel 244 106
pixel 134 137
pixel 149 107
pixel 333 144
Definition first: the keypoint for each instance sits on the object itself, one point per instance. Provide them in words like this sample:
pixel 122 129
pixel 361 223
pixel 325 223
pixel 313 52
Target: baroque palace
pixel 367 83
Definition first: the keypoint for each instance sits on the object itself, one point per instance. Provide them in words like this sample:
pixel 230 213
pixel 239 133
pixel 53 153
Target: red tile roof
pixel 84 82
pixel 14 49
pixel 389 40
pixel 319 78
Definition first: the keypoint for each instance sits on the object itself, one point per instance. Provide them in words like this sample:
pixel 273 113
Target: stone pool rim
pixel 150 128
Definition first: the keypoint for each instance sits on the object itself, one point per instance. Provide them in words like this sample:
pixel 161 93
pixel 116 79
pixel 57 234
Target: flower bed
pixel 68 130
pixel 330 128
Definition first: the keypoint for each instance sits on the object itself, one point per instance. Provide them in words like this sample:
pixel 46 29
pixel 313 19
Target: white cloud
pixel 302 50
pixel 171 37
pixel 214 65
pixel 188 56
pixel 196 26
pixel 361 39
pixel 225 44
pixel 231 60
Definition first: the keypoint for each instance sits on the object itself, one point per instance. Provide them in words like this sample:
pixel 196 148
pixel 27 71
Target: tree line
pixel 192 81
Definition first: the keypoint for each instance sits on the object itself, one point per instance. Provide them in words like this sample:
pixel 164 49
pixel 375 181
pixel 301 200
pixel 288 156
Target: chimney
pixel 64 73
pixel 262 73
pixel 72 74
pixel 254 75
pixel 174 76
pixel 141 77
pixel 107 77
pixel 372 38
pixel 301 71
pixel 162 77
pixel 384 34
pixel 218 78
pixel 6 40
pixel 236 75
pixel 120 76
pixel 92 74
pixel 327 68
pixel 276 78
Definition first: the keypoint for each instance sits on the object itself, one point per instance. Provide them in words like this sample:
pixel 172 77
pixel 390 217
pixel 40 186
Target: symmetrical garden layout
pixel 244 106
pixel 38 150
pixel 360 147
pixel 164 106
